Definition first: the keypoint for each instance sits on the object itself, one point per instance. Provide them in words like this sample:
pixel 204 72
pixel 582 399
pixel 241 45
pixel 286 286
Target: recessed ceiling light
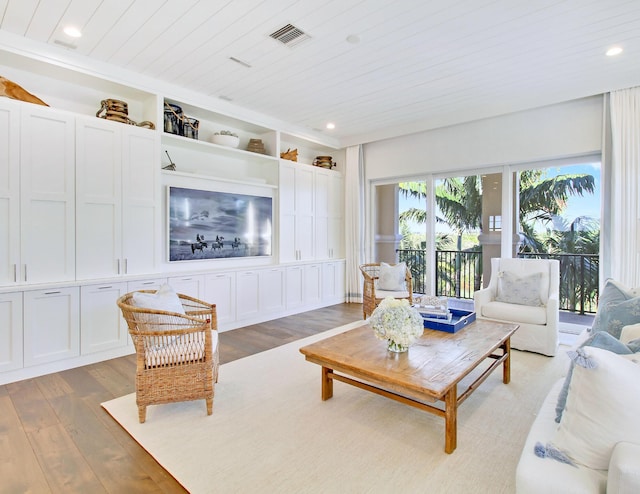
pixel 331 126
pixel 72 31
pixel 613 51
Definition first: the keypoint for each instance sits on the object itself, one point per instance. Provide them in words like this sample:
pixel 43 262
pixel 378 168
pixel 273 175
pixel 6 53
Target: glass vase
pixel 392 346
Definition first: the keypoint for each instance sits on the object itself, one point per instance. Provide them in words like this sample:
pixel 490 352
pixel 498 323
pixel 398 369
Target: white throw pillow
pixel 630 333
pixel 513 289
pixel 392 277
pixel 165 299
pixel 602 408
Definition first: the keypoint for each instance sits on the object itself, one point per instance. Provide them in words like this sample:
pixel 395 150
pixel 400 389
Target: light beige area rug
pixel 271 433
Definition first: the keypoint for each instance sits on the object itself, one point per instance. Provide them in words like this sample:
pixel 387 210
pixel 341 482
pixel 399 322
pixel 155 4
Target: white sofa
pixel 538 331
pixel 535 475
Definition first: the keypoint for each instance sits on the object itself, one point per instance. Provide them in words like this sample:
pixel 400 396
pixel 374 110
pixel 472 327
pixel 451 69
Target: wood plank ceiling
pixel 374 67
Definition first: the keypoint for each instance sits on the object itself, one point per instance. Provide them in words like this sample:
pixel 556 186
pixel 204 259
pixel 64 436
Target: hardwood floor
pixel 55 437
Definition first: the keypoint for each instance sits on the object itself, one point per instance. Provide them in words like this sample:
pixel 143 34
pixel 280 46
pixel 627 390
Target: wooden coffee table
pixel 429 372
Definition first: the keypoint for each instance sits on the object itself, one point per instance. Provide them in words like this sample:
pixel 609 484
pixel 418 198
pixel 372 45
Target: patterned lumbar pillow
pixel 513 289
pixel 618 306
pixel 391 278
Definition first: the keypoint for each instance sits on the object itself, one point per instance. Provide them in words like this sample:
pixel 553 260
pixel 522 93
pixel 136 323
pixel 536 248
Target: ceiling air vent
pixel 289 35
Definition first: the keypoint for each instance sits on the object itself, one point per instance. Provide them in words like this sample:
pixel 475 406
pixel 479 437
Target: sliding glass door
pixel 559 218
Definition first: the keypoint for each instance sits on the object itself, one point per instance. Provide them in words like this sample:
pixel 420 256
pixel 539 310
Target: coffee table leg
pixel 327 384
pixel 506 366
pixel 451 420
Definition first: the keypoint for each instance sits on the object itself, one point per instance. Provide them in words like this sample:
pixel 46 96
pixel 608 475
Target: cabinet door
pixel 51 325
pixel 286 205
pixel 47 158
pixel 98 198
pixel 9 191
pixel 294 287
pixel 312 280
pixel 328 280
pixel 304 208
pixel 296 213
pixel 247 298
pixel 322 239
pixel 271 285
pixel 220 289
pixel 101 322
pixel 149 284
pixel 192 285
pixel 140 206
pixel 333 281
pixel 335 230
pixel 304 237
pixel 10 331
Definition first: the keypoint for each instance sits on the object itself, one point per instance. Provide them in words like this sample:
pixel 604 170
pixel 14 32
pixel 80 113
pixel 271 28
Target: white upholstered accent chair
pixel 375 289
pixel 525 292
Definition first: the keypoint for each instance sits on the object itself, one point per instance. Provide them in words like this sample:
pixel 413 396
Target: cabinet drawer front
pixel 51 325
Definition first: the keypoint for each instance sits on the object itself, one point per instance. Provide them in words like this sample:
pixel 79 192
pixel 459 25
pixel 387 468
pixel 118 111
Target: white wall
pixel 566 129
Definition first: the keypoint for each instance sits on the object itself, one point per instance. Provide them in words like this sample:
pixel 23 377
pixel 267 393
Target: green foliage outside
pixel 543 199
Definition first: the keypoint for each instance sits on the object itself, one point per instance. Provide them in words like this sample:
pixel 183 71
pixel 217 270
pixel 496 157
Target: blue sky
pixel 587 205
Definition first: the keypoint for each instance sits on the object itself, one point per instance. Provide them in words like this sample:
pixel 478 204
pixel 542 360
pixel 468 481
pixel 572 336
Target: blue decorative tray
pixel 460 319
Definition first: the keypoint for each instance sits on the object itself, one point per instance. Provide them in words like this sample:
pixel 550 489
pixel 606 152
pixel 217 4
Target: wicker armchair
pixel 176 354
pixel 372 296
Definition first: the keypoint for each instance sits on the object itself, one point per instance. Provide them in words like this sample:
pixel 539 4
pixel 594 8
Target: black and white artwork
pixel 205 224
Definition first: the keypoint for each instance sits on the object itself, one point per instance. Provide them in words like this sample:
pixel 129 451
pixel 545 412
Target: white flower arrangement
pixel 395 321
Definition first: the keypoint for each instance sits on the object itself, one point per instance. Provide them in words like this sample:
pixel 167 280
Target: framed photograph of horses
pixel 205 224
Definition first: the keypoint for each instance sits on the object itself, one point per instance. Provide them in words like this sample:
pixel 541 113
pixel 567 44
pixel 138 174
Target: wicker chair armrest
pixel 199 309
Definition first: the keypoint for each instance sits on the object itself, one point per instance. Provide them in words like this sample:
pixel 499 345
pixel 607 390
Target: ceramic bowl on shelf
pixel 225 140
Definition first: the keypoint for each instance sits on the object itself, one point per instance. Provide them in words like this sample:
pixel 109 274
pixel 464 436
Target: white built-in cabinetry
pixel 47 189
pixel 329 204
pixel 83 217
pixel 118 209
pixel 311 223
pixel 11 335
pixel 101 328
pixel 192 285
pixel 220 288
pixel 51 325
pixel 248 294
pixel 296 212
pixel 9 191
pixel 272 290
pixel 37 194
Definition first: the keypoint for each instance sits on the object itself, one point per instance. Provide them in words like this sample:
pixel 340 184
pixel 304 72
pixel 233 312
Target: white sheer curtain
pixel 354 222
pixel 625 186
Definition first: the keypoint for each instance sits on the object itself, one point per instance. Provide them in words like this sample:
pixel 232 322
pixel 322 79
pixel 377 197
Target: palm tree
pixel 542 200
pixel 460 202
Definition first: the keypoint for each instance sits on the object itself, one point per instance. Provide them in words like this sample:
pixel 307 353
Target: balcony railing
pixel 579 280
pixel 459 274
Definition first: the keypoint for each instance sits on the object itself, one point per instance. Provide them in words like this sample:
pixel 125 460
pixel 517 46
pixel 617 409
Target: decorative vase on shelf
pixel 397 323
